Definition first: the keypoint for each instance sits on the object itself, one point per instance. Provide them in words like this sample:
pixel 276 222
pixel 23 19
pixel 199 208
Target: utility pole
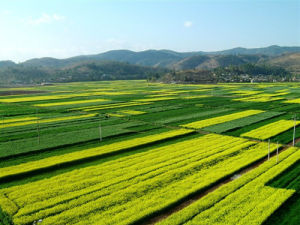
pixel 38 126
pixel 38 130
pixel 294 133
pixel 277 153
pixel 100 132
pixel 269 150
pixel 3 124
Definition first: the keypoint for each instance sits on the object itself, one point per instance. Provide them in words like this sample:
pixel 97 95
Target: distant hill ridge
pixel 126 64
pixel 166 58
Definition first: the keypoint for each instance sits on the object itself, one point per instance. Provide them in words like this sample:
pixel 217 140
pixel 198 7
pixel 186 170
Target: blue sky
pixel 64 28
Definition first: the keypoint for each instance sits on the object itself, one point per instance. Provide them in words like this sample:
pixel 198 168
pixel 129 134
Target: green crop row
pixel 59 138
pixel 181 114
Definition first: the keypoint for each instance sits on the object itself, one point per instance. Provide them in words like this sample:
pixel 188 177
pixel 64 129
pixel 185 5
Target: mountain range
pixel 123 64
pixel 170 59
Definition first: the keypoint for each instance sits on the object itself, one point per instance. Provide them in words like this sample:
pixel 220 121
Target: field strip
pixel 54 97
pixel 50 120
pixel 295 101
pixel 156 169
pixel 13 120
pixel 212 157
pixel 245 121
pixel 71 102
pixel 156 99
pixel 220 119
pixel 140 152
pixel 58 141
pixel 158 196
pixel 132 112
pixel 256 207
pixel 187 210
pixel 174 213
pixel 271 129
pixel 88 153
pixel 110 106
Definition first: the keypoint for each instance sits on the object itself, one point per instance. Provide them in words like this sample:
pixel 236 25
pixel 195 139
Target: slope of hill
pixel 214 61
pixel 165 58
pixel 106 70
pixel 154 58
pixel 6 63
pixel 272 50
pixel 45 62
pixel 84 71
pixel 289 61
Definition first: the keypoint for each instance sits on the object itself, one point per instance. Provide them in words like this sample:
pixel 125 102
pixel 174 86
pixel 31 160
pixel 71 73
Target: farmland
pixel 133 152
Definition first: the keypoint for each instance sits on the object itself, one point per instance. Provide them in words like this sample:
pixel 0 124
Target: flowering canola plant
pixel 110 106
pixel 297 101
pixel 52 97
pixel 50 120
pixel 221 119
pixel 270 130
pixel 70 102
pixel 132 112
pixel 92 152
pixel 155 99
pixel 13 120
pixel 135 185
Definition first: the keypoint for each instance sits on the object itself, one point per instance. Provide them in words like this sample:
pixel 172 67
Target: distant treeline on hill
pixel 88 71
pixel 241 73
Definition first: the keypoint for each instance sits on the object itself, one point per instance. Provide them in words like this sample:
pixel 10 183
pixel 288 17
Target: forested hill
pixel 165 58
pixel 86 71
pixel 125 64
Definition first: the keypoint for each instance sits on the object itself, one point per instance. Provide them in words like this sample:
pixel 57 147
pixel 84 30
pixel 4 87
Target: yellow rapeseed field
pixel 50 120
pixel 297 101
pixel 271 129
pixel 131 112
pixel 70 102
pixel 221 119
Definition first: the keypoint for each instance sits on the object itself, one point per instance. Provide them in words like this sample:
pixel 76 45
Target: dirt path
pixel 163 215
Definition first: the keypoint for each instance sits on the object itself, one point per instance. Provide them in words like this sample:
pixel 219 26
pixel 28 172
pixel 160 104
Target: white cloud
pixel 6 12
pixel 188 24
pixel 44 18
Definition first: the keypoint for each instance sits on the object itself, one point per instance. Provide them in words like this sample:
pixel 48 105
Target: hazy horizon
pixel 135 51
pixel 34 29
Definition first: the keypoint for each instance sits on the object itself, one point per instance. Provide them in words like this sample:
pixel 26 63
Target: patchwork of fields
pixel 132 152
